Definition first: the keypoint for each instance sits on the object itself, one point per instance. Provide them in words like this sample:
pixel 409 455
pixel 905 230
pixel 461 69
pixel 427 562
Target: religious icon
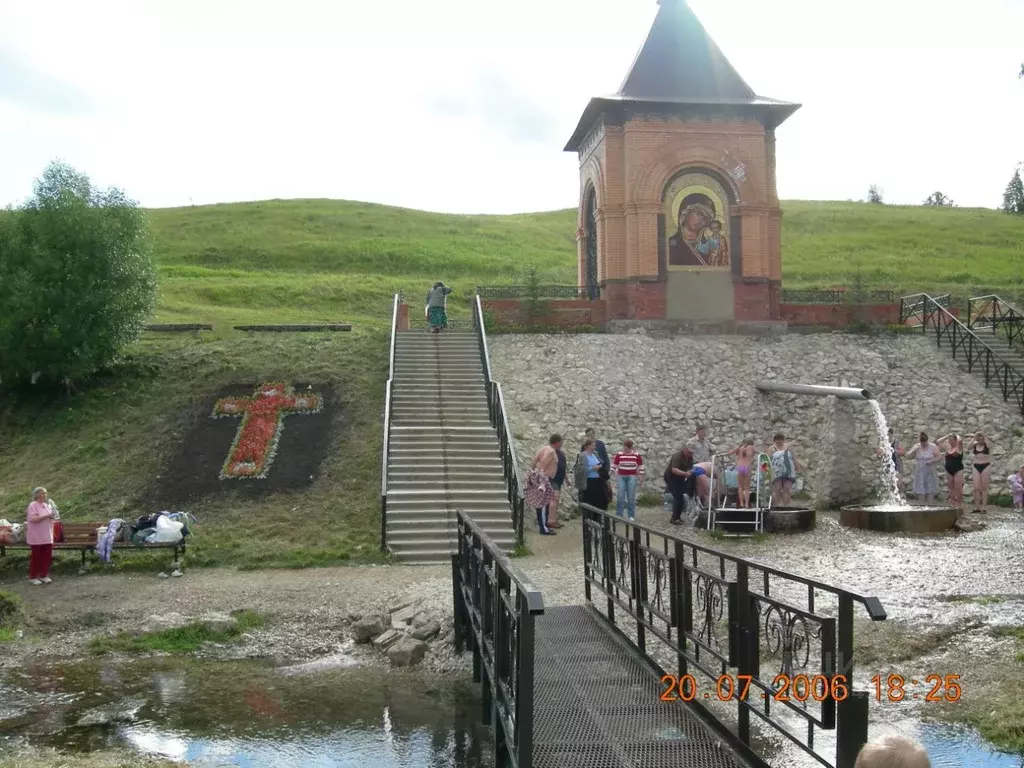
pixel 700 238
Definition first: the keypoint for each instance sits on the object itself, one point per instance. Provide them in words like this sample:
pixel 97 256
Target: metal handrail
pixel 387 427
pixel 1002 315
pixel 734 622
pixel 995 366
pixel 495 613
pixel 499 420
pixel 712 511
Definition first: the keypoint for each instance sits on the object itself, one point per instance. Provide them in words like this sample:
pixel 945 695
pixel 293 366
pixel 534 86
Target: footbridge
pixel 680 656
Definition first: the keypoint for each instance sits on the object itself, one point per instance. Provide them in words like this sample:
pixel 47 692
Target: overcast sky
pixel 465 105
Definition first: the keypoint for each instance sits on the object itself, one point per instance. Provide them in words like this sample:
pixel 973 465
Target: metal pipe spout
pixel 815 390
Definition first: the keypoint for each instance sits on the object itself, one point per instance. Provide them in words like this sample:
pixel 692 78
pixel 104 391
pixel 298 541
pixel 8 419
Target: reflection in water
pixel 959 748
pixel 250 714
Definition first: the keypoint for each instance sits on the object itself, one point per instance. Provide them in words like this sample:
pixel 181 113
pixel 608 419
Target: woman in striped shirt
pixel 629 466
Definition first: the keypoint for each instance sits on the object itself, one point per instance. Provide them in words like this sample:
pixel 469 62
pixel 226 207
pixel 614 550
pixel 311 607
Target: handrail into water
pixel 495 612
pixel 712 508
pixel 751 635
pixel 961 336
pixel 499 420
pixel 387 427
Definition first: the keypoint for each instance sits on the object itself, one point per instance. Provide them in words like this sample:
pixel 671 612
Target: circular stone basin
pixel 909 519
pixel 789 519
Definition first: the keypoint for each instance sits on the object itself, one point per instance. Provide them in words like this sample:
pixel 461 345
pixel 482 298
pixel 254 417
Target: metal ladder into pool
pixel 735 521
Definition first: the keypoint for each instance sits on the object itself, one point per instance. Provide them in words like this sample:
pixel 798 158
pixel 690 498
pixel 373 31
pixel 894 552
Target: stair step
pixel 434 456
pixel 427 516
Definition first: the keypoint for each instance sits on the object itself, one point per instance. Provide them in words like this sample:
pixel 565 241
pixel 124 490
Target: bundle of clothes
pixel 161 527
pixel 11 533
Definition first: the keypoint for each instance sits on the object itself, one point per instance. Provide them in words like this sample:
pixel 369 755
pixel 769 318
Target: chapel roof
pixel 679 64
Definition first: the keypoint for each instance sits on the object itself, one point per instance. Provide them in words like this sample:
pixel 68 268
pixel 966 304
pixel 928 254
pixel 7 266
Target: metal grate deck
pixel 596 704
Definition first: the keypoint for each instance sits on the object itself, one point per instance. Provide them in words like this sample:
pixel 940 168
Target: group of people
pixel 950 452
pixel 688 476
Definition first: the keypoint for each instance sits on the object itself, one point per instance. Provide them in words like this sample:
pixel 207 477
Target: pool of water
pixel 961 748
pixel 248 713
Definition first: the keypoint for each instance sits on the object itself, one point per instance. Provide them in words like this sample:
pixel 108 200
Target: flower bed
pixel 255 445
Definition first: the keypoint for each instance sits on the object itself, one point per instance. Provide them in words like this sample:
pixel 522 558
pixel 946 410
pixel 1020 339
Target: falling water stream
pixel 892 497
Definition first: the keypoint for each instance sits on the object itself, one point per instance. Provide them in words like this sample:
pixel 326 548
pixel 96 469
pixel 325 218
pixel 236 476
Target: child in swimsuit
pixel 1016 481
pixel 745 456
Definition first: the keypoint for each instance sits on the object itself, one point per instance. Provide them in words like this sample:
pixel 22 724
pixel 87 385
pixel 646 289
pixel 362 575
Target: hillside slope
pixel 334 259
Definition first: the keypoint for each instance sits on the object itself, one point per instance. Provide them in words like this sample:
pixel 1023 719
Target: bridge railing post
pixel 742 638
pixel 608 577
pixel 526 637
pixel 852 711
pixel 638 563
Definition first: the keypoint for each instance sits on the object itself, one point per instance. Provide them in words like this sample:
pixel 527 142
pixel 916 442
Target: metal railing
pixel 387 427
pixel 929 313
pixel 751 639
pixel 992 312
pixel 499 420
pixel 495 614
pixel 837 297
pixel 532 292
pixel 912 307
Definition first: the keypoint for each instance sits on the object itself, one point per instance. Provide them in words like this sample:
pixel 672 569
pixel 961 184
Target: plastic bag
pixel 167 530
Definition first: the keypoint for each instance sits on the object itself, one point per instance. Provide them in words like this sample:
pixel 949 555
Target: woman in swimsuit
pixel 745 456
pixel 952 447
pixel 981 452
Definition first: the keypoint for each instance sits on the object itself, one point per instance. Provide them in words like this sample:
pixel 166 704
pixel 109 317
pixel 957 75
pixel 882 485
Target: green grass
pixel 182 640
pixel 322 260
pixel 99 457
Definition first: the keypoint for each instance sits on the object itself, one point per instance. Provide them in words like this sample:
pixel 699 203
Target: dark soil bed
pixel 195 470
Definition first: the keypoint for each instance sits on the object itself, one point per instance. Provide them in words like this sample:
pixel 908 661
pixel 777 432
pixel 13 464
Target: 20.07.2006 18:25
pixel 784 688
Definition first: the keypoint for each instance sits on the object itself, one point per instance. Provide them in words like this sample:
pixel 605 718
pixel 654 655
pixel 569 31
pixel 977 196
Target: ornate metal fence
pixel 732 637
pixel 992 312
pixel 930 314
pixel 533 292
pixel 838 297
pixel 495 614
pixel 500 422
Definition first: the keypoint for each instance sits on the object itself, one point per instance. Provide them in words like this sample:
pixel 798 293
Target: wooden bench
pixel 83 537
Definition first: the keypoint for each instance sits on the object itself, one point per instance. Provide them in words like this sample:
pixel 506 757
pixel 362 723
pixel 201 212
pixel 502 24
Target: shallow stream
pixel 247 713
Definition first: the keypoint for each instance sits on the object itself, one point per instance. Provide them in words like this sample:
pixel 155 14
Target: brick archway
pixel 652 181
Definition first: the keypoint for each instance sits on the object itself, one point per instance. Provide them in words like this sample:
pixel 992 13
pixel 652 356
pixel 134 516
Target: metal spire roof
pixel 680 64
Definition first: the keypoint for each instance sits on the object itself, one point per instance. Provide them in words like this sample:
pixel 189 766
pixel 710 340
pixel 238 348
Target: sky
pixel 465 105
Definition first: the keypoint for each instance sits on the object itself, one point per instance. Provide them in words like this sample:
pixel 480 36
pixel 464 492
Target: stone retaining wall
pixel 656 390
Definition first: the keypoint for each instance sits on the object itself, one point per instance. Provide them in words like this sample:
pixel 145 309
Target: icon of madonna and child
pixel 701 239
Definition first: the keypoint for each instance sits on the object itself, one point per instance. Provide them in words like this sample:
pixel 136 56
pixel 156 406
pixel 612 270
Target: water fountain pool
pixel 892 513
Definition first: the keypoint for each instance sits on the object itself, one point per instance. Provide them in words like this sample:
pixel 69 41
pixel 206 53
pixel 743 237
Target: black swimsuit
pixel 954 462
pixel 981 466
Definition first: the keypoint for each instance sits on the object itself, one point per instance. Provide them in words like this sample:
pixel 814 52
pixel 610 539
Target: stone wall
pixel 656 390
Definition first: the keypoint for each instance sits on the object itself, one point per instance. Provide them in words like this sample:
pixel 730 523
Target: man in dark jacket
pixel 679 481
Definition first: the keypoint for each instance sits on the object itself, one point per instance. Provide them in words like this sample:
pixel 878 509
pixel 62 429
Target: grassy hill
pixel 286 261
pixel 324 259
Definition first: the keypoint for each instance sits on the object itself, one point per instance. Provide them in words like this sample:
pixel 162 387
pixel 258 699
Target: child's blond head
pixel 893 752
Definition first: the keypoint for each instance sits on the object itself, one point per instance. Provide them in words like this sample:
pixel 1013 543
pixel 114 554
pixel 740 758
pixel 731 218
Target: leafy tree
pixel 77 280
pixel 875 194
pixel 1013 197
pixel 939 199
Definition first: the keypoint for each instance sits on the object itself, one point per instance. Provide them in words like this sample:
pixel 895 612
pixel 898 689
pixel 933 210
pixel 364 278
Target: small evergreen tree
pixel 77 281
pixel 875 194
pixel 536 307
pixel 1013 197
pixel 939 200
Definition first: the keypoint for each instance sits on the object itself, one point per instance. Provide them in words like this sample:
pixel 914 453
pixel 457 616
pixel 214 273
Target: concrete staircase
pixel 443 453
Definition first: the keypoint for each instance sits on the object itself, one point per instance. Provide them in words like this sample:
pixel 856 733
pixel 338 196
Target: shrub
pixel 77 281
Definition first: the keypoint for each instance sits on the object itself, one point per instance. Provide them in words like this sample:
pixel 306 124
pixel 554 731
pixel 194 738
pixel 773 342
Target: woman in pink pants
pixel 39 536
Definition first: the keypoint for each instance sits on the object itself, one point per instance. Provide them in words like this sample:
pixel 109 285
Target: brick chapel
pixel 679 216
